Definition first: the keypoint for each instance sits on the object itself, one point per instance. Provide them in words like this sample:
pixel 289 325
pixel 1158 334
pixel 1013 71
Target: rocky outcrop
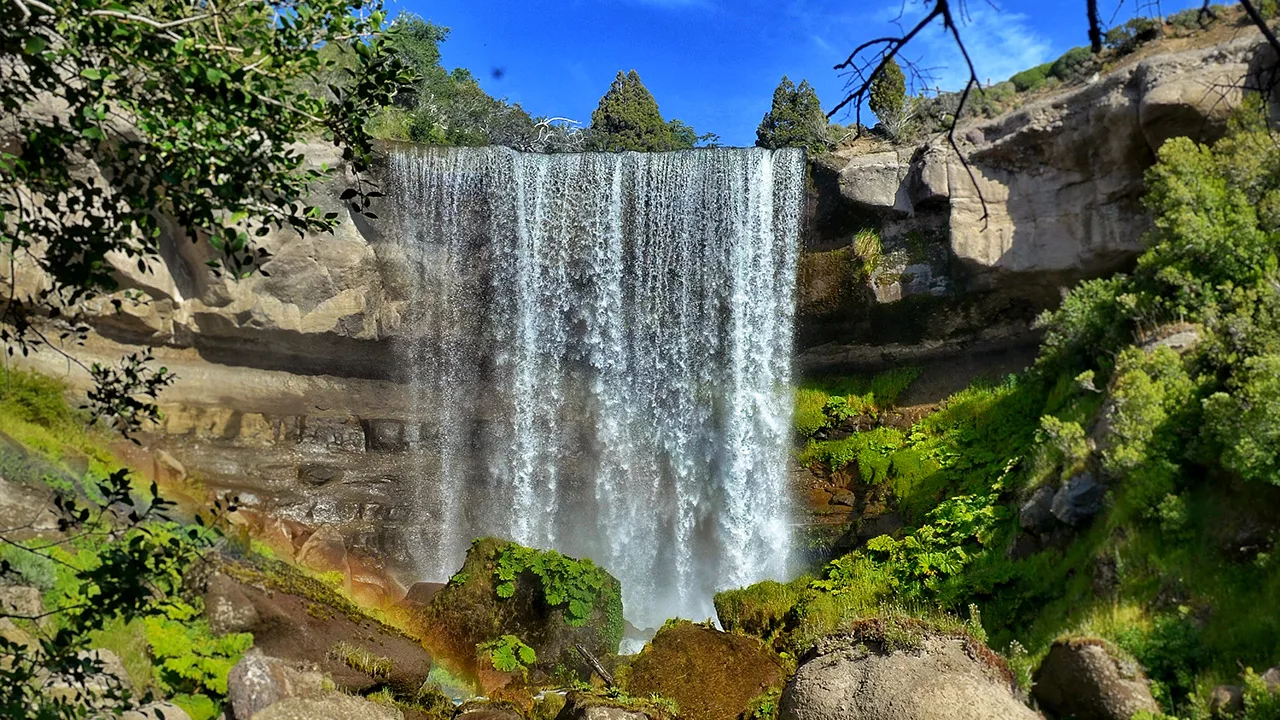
pixel 865 677
pixel 1054 197
pixel 303 628
pixel 732 670
pixel 1087 680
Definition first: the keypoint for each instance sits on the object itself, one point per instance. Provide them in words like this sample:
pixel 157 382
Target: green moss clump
pixel 361 660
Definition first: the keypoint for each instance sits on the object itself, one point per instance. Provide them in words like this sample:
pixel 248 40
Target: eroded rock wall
pixel 968 256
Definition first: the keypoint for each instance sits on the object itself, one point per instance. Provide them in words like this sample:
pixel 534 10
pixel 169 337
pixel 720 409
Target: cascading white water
pixel 604 360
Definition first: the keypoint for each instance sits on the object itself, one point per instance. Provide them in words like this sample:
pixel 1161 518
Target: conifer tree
pixel 627 118
pixel 888 96
pixel 795 119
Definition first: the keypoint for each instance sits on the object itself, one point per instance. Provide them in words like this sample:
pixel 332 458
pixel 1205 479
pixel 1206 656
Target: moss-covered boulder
pixel 516 610
pixel 711 675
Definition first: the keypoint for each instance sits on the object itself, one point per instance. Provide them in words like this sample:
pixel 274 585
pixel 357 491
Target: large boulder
pixel 1036 514
pixel 330 706
pixel 732 670
pixel 870 674
pixel 1087 679
pixel 478 606
pixel 259 681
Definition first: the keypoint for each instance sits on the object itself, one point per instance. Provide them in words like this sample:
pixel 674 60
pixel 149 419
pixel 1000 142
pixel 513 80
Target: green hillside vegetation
pixel 1163 385
pixel 120 571
pixel 111 581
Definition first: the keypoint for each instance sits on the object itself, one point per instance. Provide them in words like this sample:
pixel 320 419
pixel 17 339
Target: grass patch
pixel 361 660
pixel 823 402
pixel 34 412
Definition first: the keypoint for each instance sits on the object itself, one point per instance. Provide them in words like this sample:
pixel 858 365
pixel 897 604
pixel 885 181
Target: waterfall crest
pixel 603 360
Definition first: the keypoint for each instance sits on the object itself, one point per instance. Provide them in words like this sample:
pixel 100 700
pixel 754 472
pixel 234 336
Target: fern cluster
pixel 508 654
pixel 576 586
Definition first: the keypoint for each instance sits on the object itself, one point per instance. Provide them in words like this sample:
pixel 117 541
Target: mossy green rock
pixel 549 601
pixel 730 671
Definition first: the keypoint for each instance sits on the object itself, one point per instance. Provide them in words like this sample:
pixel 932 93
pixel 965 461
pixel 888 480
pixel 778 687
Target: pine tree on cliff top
pixel 627 118
pixel 889 96
pixel 795 119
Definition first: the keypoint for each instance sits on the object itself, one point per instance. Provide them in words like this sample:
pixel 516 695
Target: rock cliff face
pixel 291 385
pixel 1054 198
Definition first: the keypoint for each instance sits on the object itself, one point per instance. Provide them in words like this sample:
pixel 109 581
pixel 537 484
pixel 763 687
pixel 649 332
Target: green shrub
pixel 1064 443
pixel 1171 650
pixel 1090 325
pixel 574 584
pixel 871 450
pixel 36 398
pixel 189 658
pixel 1154 397
pixel 1246 421
pixel 1133 34
pixel 1031 79
pixel 1073 64
pixel 1195 19
pixel 1260 701
pixel 958 527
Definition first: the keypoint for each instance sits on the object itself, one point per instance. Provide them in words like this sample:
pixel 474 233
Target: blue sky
pixel 714 63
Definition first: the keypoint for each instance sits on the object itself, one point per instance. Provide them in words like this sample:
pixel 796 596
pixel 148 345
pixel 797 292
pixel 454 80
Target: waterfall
pixel 602 361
